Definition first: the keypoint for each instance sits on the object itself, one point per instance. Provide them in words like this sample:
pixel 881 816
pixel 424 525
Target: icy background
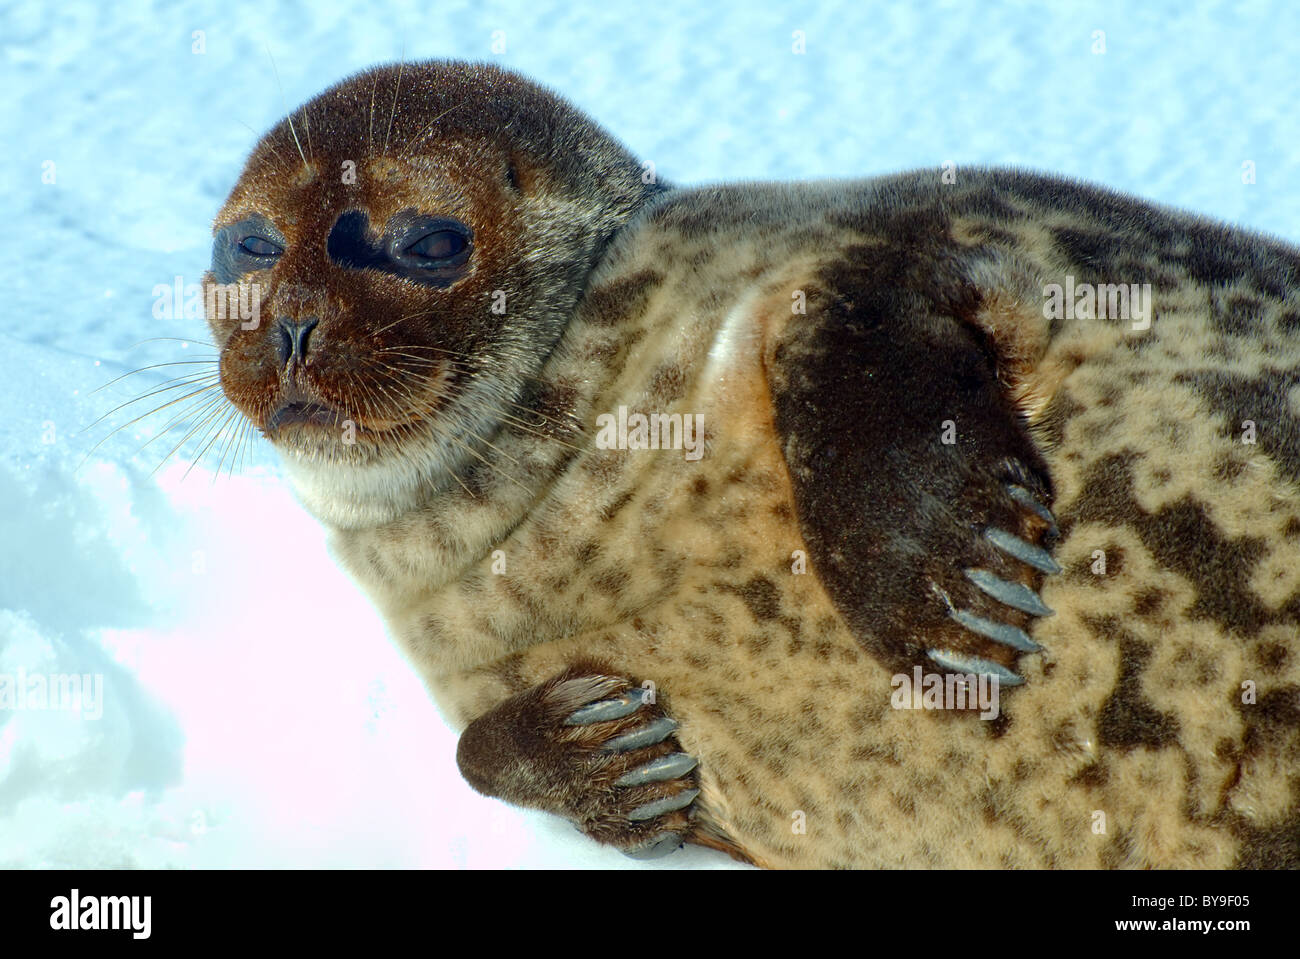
pixel 246 727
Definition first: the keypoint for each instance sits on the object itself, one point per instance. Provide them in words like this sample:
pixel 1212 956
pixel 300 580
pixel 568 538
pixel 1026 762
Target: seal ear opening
pixel 521 175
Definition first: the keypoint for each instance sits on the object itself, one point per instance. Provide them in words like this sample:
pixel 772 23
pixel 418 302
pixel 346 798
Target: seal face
pixel 415 267
pixel 684 501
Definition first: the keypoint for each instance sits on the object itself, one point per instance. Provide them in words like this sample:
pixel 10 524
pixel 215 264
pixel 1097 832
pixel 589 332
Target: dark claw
pixel 1014 595
pixel 660 806
pixel 954 662
pixel 657 848
pixel 658 770
pixel 607 709
pixel 1026 499
pixel 1026 552
pixel 648 735
pixel 1003 633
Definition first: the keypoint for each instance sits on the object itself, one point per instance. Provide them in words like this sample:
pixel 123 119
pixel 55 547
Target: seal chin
pixel 366 491
pixel 361 477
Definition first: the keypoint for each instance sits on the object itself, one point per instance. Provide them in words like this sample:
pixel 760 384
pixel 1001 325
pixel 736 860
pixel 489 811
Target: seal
pixel 923 520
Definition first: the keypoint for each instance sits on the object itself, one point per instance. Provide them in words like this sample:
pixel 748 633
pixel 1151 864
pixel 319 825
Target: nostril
pixel 304 332
pixel 284 343
pixel 293 338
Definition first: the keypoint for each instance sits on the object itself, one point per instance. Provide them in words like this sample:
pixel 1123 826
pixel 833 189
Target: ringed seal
pixel 706 513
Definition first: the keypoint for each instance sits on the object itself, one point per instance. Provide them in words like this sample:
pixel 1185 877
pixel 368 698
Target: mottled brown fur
pixel 771 588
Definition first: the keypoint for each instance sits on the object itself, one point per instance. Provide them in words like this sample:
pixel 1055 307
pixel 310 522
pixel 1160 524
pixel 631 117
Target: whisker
pixel 396 87
pixel 217 434
pixel 171 339
pixel 180 383
pixel 116 430
pixel 197 408
pixel 214 435
pixel 155 366
pixel 288 116
pixel 209 412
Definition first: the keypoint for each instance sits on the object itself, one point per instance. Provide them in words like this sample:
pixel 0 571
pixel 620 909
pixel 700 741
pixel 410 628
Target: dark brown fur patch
pixel 626 296
pixel 1127 720
pixel 761 598
pixel 1262 400
pixel 1273 847
pixel 1148 601
pixel 1276 714
pixel 1182 537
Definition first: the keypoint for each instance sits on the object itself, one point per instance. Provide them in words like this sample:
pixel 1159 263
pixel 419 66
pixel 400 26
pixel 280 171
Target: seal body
pixel 912 429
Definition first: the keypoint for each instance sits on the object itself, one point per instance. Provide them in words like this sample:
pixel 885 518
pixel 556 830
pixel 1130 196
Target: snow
pixel 254 712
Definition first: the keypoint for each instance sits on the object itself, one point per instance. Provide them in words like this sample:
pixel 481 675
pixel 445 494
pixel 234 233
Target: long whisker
pixel 198 408
pixel 179 383
pixel 207 414
pixel 171 339
pixel 154 366
pixel 396 87
pixel 116 430
pixel 219 432
pixel 288 116
pixel 470 450
pixel 428 362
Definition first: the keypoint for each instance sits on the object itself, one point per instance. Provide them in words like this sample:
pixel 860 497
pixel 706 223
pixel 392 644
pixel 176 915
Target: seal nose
pixel 292 344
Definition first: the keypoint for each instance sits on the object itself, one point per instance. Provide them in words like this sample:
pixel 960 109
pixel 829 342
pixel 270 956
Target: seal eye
pixel 437 247
pixel 432 250
pixel 259 246
pixel 250 244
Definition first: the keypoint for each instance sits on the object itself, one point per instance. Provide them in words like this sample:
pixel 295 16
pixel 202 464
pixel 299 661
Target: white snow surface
pixel 254 712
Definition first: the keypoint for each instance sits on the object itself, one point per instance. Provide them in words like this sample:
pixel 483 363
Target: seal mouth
pixel 303 413
pixel 299 417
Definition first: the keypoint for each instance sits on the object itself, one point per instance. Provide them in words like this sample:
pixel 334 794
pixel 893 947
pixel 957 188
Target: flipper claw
pixel 955 662
pixel 657 848
pixel 1027 500
pixel 1015 595
pixel 659 770
pixel 667 804
pixel 649 734
pixel 1026 552
pixel 607 709
pixel 1003 633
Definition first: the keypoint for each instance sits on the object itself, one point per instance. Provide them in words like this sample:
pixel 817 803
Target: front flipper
pixel 923 500
pixel 591 748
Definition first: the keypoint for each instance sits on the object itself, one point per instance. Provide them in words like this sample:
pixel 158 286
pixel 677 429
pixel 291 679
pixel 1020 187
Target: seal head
pixel 415 239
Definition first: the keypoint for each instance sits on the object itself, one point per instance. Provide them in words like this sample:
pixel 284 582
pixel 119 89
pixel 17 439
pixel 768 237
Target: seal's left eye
pixel 259 246
pixel 437 246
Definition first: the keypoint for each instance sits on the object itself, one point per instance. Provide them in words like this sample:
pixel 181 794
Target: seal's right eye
pixel 259 246
pixel 250 244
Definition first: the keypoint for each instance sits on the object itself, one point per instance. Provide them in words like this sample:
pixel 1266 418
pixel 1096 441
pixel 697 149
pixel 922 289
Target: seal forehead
pixel 338 175
pixel 452 123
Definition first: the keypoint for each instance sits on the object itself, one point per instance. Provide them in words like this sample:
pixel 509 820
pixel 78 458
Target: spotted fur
pixel 771 589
